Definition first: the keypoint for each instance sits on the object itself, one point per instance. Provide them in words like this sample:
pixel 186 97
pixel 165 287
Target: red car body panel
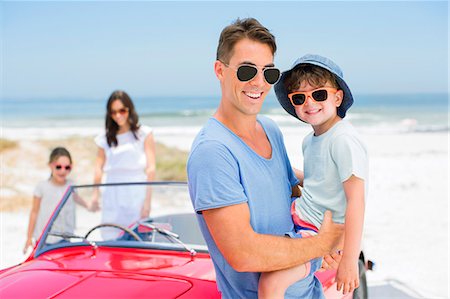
pixel 110 272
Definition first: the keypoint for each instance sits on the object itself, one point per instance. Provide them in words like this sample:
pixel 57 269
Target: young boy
pixel 335 167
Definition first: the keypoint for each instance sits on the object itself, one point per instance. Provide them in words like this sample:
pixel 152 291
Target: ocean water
pixel 396 113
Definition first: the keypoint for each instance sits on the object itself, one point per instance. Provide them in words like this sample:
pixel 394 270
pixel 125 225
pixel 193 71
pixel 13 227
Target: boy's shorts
pixel 300 224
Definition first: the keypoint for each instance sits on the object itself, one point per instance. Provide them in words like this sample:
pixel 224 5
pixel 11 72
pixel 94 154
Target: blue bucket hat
pixel 323 62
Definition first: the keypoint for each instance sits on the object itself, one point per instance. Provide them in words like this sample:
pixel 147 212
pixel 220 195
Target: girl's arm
pixel 98 173
pixel 32 222
pixel 149 149
pixel 347 276
pixel 79 200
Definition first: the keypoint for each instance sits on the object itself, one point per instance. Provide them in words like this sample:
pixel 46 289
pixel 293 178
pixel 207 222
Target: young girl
pixel 48 193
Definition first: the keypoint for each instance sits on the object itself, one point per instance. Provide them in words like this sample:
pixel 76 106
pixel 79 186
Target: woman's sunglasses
pixel 321 94
pixel 121 111
pixel 246 72
pixel 66 167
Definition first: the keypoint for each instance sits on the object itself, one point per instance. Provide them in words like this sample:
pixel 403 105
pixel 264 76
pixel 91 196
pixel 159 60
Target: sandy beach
pixel 406 228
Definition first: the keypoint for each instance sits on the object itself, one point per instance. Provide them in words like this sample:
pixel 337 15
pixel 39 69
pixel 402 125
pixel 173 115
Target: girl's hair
pixel 59 152
pixel 111 126
pixel 312 74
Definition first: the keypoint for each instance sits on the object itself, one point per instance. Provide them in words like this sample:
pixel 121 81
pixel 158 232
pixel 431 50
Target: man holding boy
pixel 240 177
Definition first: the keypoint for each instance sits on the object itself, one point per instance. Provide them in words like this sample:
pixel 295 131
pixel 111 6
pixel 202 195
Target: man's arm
pixel 247 251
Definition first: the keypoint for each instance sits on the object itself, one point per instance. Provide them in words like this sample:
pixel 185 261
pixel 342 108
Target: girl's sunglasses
pixel 246 72
pixel 321 94
pixel 66 167
pixel 121 111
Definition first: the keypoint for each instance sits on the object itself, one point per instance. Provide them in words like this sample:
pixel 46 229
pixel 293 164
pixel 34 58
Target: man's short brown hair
pixel 246 28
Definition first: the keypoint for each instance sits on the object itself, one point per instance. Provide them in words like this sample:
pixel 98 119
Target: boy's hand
pixel 347 276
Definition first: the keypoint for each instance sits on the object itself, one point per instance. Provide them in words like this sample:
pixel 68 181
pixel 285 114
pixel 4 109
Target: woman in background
pixel 126 153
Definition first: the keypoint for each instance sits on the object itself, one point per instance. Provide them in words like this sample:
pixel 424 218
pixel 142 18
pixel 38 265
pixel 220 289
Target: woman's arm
pixel 149 149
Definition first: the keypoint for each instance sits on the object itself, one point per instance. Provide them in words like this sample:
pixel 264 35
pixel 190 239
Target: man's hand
pixel 331 261
pixel 331 234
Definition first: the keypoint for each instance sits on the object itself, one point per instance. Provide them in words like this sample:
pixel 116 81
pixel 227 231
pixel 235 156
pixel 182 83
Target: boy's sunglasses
pixel 67 167
pixel 321 94
pixel 246 72
pixel 121 111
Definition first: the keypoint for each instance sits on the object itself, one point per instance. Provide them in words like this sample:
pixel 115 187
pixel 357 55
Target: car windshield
pixel 118 219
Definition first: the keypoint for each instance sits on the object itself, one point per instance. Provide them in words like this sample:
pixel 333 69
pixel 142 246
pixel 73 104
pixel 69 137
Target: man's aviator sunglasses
pixel 246 72
pixel 298 98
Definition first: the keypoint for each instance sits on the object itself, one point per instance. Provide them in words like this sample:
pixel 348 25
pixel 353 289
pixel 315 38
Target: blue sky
pixel 88 49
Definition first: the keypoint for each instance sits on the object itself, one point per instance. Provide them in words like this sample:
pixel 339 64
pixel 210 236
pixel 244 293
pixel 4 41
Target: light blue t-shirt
pixel 329 160
pixel 223 171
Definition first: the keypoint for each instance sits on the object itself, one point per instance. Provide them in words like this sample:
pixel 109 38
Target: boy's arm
pixel 347 276
pixel 300 175
pixel 296 191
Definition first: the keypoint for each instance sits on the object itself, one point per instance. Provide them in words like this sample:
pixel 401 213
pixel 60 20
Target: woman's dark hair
pixel 111 126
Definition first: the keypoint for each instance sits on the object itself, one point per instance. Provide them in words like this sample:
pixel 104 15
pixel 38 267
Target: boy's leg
pixel 274 284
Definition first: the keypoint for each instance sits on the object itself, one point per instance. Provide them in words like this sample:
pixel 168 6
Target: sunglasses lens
pixel 320 95
pixel 67 167
pixel 246 72
pixel 272 75
pixel 121 111
pixel 298 99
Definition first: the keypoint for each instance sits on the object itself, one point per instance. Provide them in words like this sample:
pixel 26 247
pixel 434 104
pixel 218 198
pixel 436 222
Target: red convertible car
pixel 80 256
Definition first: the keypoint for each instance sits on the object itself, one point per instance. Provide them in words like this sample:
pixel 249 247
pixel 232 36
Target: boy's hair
pixel 246 28
pixel 59 152
pixel 111 126
pixel 314 75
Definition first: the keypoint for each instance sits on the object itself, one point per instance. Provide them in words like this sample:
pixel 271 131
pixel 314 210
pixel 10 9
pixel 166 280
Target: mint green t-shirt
pixel 329 160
